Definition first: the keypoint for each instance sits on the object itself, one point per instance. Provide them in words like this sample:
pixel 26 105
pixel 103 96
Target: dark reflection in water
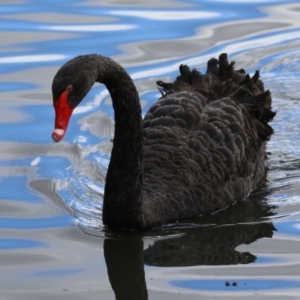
pixel 208 246
pixel 209 241
pixel 125 268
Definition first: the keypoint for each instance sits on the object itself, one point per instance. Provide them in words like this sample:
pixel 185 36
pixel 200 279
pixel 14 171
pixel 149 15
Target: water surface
pixel 52 242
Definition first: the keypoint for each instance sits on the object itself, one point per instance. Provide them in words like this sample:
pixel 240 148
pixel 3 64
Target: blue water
pixel 52 242
pixel 240 284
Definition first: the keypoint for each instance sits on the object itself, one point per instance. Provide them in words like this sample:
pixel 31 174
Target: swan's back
pixel 204 141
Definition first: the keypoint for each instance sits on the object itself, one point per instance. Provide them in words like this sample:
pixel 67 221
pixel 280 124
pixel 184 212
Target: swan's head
pixel 70 85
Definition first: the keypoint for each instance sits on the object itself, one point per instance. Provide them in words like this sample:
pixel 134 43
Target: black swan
pixel 199 148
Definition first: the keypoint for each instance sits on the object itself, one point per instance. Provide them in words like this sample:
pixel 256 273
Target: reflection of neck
pixel 124 261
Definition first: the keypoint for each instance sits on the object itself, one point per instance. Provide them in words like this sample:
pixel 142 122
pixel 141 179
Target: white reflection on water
pixel 31 58
pixel 166 15
pixel 232 48
pixel 246 1
pixel 95 103
pixel 35 161
pixel 91 28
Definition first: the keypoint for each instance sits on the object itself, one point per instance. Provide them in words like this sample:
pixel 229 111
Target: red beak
pixel 63 114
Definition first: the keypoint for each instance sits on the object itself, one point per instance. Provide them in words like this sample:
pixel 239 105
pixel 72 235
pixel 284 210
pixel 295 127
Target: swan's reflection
pixel 125 268
pixel 199 245
pixel 207 246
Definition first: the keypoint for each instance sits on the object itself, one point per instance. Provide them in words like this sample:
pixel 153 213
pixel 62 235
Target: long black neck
pixel 122 207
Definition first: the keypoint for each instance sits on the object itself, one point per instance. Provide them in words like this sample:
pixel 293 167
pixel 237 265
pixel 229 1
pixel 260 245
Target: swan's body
pixel 200 148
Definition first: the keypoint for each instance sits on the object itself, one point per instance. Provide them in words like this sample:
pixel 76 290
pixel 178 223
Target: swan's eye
pixel 69 88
